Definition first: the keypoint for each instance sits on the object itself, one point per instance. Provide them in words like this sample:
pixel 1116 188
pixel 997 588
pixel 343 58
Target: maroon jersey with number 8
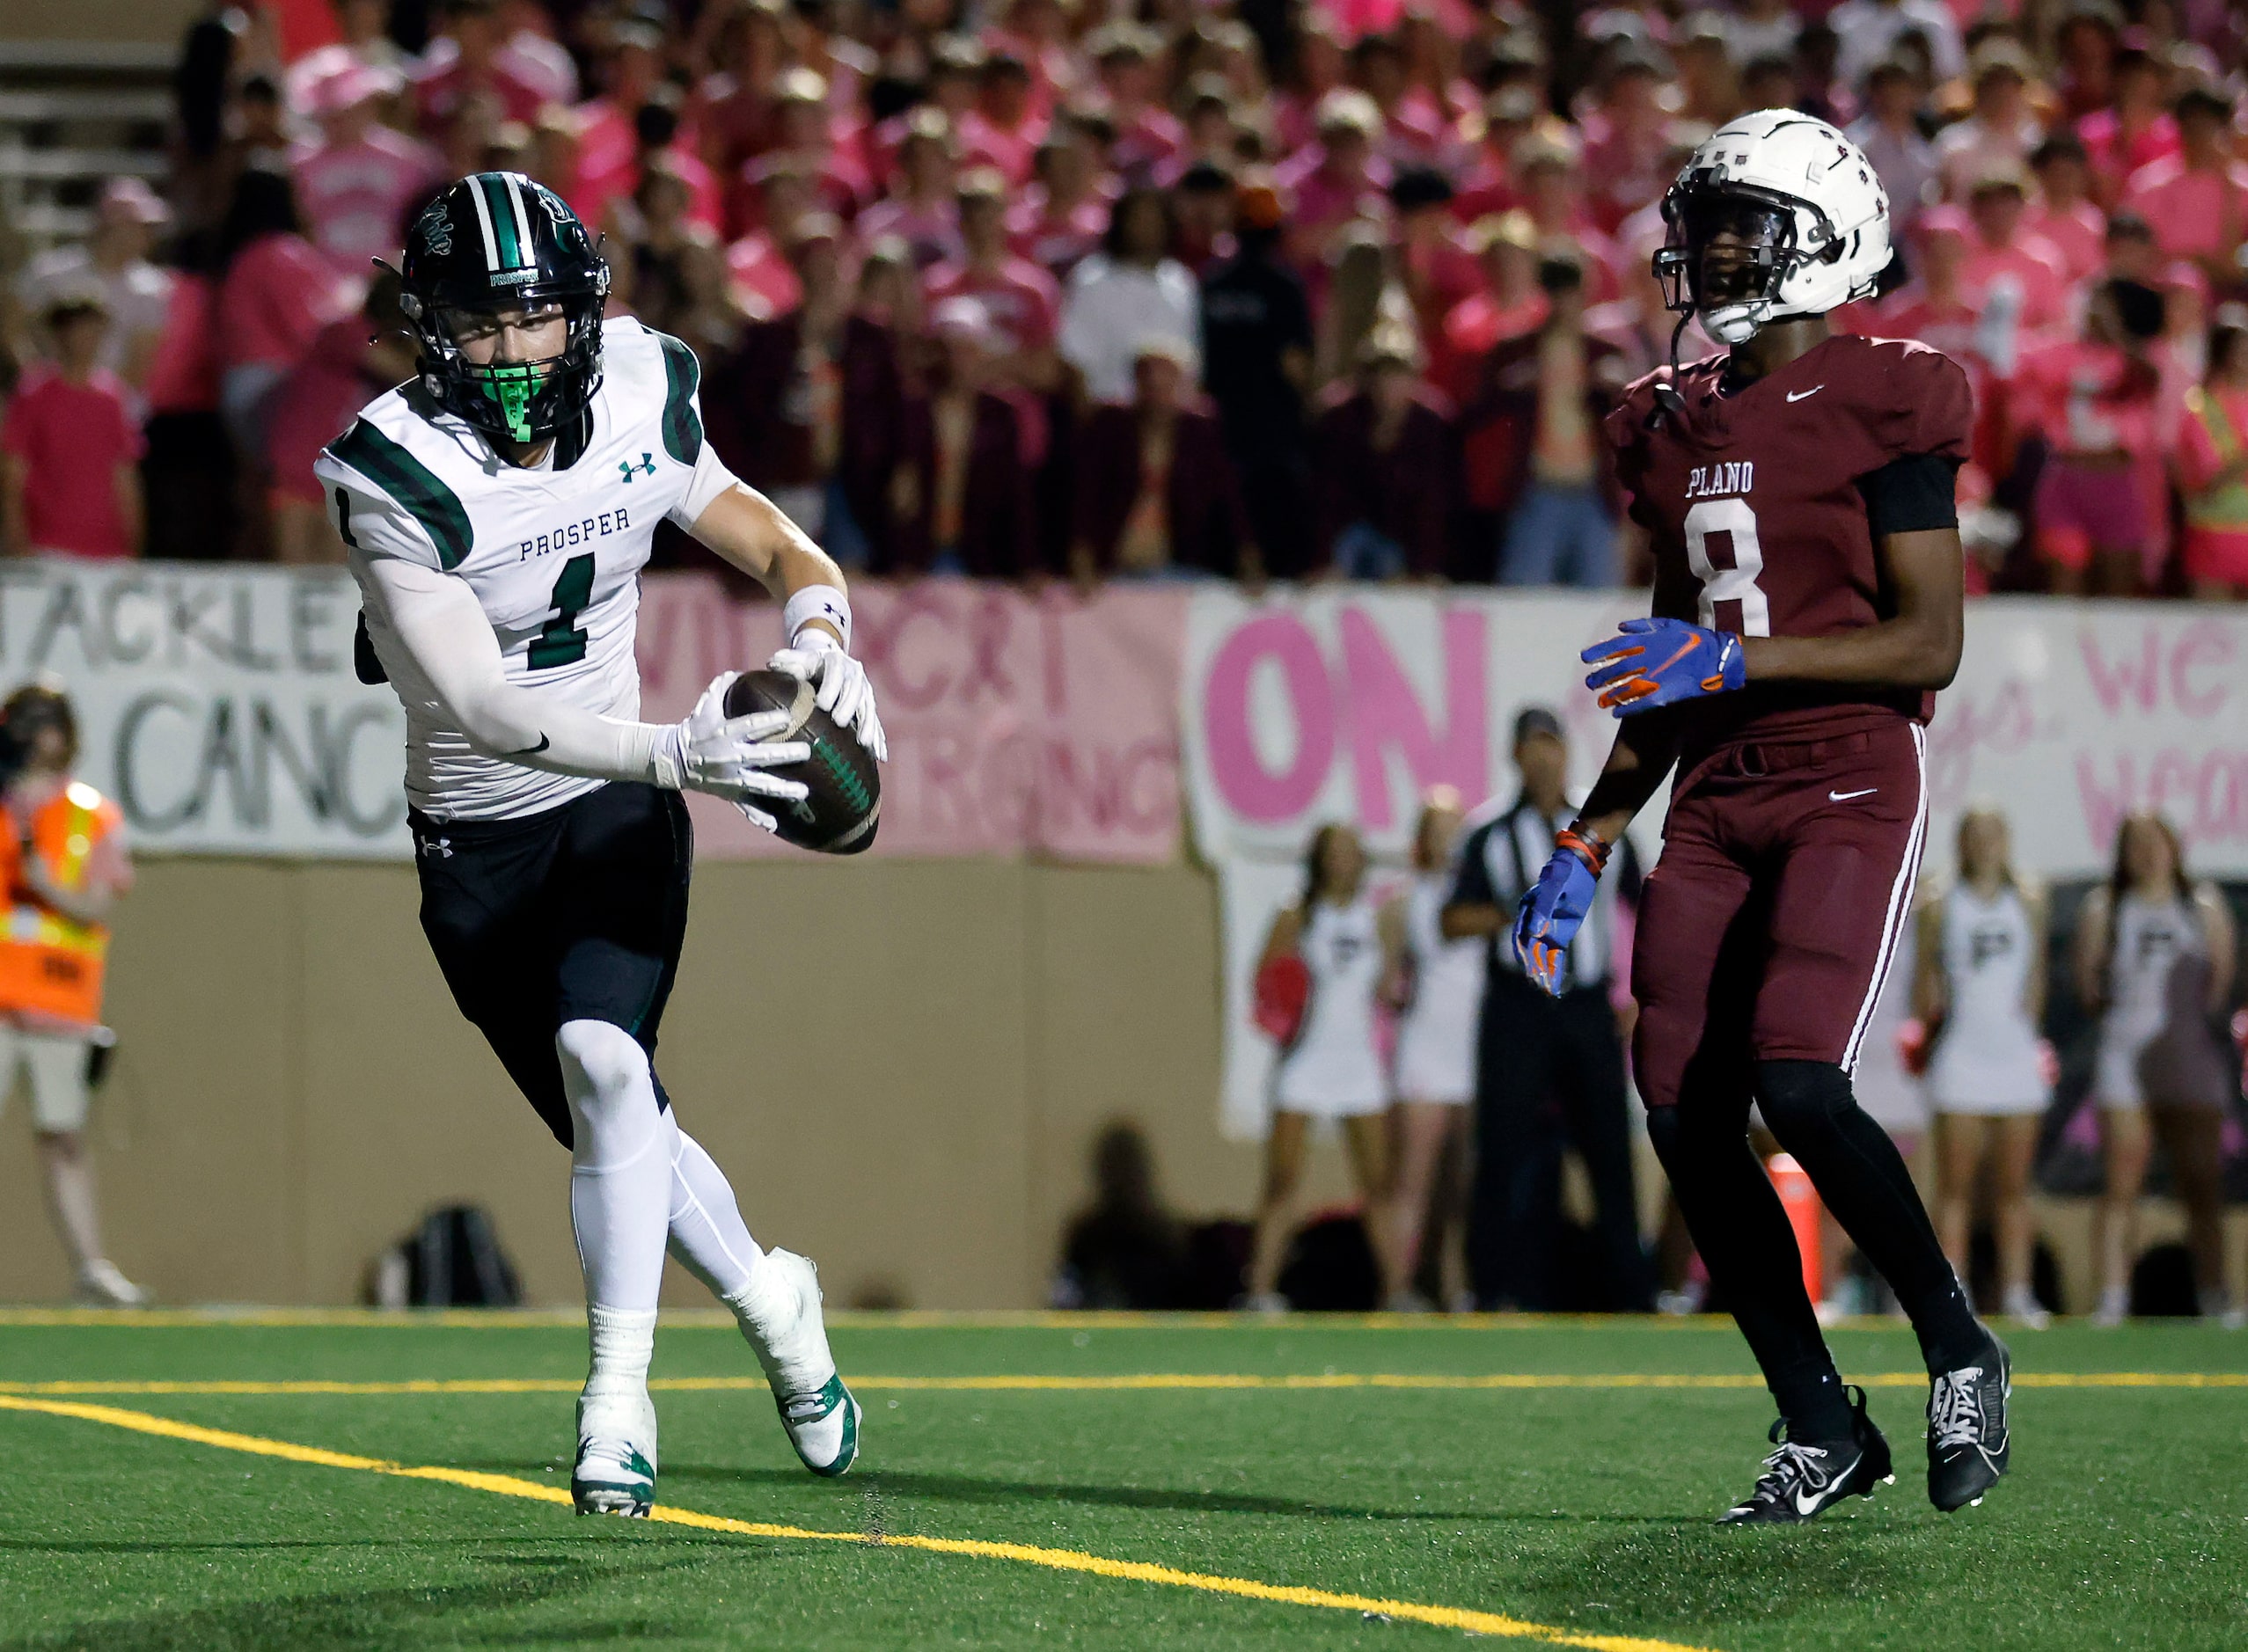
pixel 1751 501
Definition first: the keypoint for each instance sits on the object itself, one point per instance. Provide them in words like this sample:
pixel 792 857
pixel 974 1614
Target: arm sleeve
pixel 442 626
pixel 1913 494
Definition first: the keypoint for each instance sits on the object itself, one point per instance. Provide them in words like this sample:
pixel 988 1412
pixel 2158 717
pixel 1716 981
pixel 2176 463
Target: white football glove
pixel 728 757
pixel 844 693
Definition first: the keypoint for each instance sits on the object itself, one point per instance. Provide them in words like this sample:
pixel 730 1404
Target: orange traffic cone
pixel 1801 1201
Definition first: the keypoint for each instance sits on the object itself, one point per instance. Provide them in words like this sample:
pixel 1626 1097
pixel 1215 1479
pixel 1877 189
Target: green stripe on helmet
pixel 513 253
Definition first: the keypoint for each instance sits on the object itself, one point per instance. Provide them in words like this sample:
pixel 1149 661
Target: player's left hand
pixel 1554 908
pixel 844 692
pixel 1660 661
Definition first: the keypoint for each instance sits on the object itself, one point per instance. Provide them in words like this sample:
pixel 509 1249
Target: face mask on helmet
pixel 1728 254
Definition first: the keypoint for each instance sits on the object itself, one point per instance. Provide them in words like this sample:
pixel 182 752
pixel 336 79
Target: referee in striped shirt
pixel 1549 1071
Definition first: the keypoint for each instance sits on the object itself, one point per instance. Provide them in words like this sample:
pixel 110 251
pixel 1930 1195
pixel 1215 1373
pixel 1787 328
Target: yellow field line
pixel 1054 1559
pixel 1131 1383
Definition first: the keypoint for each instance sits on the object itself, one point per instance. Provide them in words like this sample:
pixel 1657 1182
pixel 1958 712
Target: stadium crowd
pixel 1066 286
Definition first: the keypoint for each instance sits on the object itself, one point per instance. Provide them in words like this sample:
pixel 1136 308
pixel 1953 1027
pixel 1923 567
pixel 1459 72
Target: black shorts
pixel 573 914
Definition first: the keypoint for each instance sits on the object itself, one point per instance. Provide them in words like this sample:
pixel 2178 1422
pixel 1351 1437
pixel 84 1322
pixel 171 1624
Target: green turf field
pixel 1535 1480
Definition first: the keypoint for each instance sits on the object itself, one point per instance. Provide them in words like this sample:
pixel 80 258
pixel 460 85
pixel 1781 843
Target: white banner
pixel 216 705
pixel 1346 703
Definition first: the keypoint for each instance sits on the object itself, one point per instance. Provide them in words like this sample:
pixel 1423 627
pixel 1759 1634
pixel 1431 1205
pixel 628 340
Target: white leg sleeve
pixel 620 1165
pixel 707 1233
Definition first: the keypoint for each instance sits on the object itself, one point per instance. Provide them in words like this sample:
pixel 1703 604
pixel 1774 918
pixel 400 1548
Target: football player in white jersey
pixel 498 510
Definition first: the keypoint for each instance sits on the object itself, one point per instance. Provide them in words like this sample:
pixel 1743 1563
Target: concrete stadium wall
pixel 901 1063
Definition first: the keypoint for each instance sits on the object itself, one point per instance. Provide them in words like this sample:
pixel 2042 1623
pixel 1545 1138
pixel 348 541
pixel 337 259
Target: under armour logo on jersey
pixel 647 466
pixel 438 848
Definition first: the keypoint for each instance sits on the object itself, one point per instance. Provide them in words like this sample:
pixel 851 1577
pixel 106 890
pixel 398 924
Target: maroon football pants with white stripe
pixel 1768 926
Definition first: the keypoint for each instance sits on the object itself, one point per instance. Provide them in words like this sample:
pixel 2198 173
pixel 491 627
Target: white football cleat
pixel 101 1285
pixel 616 1455
pixel 784 1327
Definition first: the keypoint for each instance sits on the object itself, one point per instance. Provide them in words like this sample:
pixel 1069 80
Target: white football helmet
pixel 1803 205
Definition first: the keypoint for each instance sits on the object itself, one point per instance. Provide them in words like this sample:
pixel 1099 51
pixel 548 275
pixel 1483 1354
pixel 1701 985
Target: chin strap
pixel 1667 393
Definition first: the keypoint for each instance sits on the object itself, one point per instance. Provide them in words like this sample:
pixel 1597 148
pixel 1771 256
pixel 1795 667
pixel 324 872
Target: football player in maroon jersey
pixel 1797 491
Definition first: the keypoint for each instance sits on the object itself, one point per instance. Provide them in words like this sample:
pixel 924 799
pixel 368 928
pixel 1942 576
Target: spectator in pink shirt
pixel 68 448
pixel 732 112
pixel 2001 129
pixel 1486 185
pixel 1414 131
pixel 1510 304
pixel 804 138
pixel 1020 302
pixel 2196 201
pixel 1061 217
pixel 1625 145
pixel 1148 134
pixel 2136 132
pixel 1933 307
pixel 757 264
pixel 355 185
pixel 608 141
pixel 1547 173
pixel 1003 131
pixel 346 370
pixel 921 208
pixel 2064 213
pixel 2004 252
pixel 277 294
pixel 472 69
pixel 656 147
pixel 1335 181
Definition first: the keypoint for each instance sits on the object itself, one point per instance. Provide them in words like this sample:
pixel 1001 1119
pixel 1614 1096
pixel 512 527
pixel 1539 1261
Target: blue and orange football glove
pixel 1658 661
pixel 1554 906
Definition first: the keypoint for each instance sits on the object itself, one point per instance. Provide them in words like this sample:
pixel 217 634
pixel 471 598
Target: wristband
pixel 817 601
pixel 1584 842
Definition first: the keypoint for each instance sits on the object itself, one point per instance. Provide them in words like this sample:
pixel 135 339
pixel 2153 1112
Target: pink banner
pixel 1018 725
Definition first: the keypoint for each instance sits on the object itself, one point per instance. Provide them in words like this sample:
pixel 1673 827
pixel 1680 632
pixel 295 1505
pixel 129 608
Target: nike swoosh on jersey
pixel 1844 797
pixel 1802 395
pixel 545 741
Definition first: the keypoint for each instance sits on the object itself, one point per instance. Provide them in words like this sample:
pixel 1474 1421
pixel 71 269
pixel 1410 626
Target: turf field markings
pixel 1054 1559
pixel 1143 1382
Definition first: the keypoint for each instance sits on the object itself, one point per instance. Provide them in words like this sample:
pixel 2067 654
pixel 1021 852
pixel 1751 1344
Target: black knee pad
pixel 1796 1094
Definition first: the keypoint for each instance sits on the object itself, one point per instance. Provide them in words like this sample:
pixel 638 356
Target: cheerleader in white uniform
pixel 1980 981
pixel 2153 962
pixel 1333 1067
pixel 1436 1065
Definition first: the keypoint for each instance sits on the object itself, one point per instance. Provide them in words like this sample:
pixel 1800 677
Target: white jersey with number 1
pixel 554 552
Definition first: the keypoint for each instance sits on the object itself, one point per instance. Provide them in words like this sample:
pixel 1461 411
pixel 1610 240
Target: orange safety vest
pixel 50 965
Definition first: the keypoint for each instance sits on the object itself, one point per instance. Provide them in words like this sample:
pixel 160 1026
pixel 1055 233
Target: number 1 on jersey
pixel 1737 583
pixel 561 642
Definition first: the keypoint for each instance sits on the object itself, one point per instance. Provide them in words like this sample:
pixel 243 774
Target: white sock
pixel 620 1166
pixel 707 1233
pixel 624 1341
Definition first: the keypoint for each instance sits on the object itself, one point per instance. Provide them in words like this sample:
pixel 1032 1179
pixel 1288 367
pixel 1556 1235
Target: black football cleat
pixel 1804 1479
pixel 1968 1436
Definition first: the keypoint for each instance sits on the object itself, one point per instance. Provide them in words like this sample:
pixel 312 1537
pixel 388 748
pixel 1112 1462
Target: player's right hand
pixel 1555 906
pixel 728 756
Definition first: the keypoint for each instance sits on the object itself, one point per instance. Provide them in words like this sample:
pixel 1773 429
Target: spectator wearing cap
pixel 962 497
pixel 2196 201
pixel 355 185
pixel 1003 130
pixel 2064 214
pixel 1509 305
pixel 1383 468
pixel 1148 134
pixel 70 447
pixel 465 66
pixel 1335 180
pixel 1061 217
pixel 114 260
pixel 921 208
pixel 2135 131
pixel 2000 130
pixel 1889 133
pixel 1431 262
pixel 1549 1070
pixel 352 362
pixel 1867 31
pixel 1156 496
pixel 1129 292
pixel 1022 303
pixel 1532 427
pixel 804 408
pixel 1256 337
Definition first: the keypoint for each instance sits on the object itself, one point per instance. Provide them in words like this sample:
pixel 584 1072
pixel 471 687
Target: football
pixel 839 816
